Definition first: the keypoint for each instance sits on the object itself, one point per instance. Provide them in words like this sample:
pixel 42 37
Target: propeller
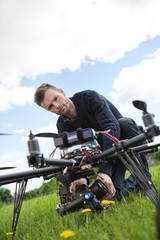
pixel 47 134
pixel 140 105
pixel 53 135
pixel 147 117
pixel 3 134
pixel 5 168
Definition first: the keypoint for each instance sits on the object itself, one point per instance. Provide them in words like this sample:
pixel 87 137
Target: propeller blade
pixel 52 135
pixel 5 134
pixel 140 105
pixel 47 135
pixel 5 168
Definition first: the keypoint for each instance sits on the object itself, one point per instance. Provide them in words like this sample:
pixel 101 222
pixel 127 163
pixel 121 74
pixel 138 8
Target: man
pixel 89 109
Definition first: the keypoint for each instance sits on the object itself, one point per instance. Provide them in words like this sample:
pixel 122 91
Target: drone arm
pixel 38 161
pixel 149 134
pixel 14 177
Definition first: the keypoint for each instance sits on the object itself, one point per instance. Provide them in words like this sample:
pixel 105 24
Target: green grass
pixel 132 219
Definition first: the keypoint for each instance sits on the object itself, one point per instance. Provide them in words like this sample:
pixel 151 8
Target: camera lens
pixel 99 189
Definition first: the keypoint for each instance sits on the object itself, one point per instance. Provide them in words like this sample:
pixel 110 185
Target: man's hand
pixel 76 184
pixel 108 182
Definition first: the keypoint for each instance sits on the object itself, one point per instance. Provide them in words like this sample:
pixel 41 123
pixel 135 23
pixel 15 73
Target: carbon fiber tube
pixel 14 177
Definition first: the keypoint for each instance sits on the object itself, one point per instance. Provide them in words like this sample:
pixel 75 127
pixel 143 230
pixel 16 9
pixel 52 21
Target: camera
pixel 85 197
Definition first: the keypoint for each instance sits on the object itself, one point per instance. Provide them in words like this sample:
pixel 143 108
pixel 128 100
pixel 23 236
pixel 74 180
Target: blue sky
pixel 104 45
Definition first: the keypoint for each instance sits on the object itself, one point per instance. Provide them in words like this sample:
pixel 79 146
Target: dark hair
pixel 39 94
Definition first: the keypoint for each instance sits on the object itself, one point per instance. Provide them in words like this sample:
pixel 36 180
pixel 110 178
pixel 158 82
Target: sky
pixel 110 46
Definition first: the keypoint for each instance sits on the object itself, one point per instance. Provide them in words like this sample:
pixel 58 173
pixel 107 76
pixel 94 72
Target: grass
pixel 132 219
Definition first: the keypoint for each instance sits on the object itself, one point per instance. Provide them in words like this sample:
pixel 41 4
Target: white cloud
pixel 48 36
pixel 140 82
pixel 16 95
pixel 16 158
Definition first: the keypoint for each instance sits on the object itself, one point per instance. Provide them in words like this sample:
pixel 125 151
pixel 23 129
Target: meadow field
pixel 132 219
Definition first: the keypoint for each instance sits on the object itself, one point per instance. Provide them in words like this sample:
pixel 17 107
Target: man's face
pixel 56 102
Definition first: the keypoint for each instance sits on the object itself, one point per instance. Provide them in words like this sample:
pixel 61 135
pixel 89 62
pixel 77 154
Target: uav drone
pixel 80 161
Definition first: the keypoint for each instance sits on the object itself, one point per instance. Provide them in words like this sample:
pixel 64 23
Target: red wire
pixel 114 138
pixel 54 152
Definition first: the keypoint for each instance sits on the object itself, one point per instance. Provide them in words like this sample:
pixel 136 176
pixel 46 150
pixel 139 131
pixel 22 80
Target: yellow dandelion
pixel 67 234
pixel 9 233
pixel 105 202
pixel 86 210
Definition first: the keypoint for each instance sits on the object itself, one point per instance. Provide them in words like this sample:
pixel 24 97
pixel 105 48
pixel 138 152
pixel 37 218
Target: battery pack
pixel 73 138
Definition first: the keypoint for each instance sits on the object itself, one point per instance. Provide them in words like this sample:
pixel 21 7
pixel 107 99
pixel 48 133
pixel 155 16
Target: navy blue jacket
pixel 93 111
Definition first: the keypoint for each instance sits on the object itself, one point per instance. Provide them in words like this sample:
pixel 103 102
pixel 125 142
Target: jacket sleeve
pixel 102 112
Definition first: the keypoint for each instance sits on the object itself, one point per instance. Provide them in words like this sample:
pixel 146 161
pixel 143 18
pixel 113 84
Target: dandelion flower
pixel 105 202
pixel 9 233
pixel 67 234
pixel 86 210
